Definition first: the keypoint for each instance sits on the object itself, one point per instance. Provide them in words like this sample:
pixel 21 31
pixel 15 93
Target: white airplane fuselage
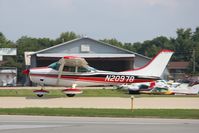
pixel 49 76
pixel 57 76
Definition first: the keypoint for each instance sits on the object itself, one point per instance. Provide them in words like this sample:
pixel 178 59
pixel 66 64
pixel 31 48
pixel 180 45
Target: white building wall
pixel 8 77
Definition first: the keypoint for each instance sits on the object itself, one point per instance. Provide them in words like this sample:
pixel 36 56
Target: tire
pixel 40 95
pixel 70 95
pixel 133 92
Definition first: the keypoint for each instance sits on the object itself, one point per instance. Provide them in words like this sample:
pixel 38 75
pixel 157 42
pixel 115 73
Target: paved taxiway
pixel 101 102
pixel 43 124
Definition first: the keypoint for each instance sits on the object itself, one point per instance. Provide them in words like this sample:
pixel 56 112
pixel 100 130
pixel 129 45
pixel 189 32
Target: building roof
pixel 4 70
pixel 178 65
pixel 87 55
pixel 39 53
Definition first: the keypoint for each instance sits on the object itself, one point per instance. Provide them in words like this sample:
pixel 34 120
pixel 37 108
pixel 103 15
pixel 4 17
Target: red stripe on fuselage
pixel 90 79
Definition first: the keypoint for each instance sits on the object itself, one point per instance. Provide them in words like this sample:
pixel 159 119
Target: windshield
pixel 54 65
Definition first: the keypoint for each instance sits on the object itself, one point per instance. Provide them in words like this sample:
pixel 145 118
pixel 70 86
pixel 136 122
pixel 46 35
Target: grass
pixel 26 92
pixel 86 93
pixel 137 113
pixel 58 93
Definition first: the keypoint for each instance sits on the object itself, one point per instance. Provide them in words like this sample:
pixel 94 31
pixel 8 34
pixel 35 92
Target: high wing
pixel 73 61
pixel 70 61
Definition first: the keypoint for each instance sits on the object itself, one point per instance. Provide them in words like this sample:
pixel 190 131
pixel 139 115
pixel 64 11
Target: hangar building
pixel 98 54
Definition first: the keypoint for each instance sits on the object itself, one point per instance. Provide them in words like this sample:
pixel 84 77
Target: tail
pixel 156 66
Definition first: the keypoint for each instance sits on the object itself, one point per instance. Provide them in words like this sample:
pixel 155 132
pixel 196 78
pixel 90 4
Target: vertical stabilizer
pixel 155 67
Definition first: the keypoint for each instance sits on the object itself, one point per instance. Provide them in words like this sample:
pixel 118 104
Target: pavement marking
pixel 21 126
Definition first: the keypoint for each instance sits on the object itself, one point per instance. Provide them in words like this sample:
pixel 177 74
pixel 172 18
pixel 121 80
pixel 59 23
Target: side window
pixel 69 69
pixel 82 69
pixel 55 66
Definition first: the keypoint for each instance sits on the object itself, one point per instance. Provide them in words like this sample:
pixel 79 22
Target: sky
pixel 125 20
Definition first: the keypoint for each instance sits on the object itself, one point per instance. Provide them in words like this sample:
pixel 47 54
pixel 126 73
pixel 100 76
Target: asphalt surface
pixel 43 124
pixel 101 102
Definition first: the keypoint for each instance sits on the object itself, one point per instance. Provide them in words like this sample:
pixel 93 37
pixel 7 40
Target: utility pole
pixel 194 63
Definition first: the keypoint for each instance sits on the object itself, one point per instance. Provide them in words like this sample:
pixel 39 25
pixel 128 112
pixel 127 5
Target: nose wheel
pixel 41 92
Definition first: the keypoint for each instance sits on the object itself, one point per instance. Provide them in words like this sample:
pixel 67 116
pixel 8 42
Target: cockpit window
pixel 83 69
pixel 86 69
pixel 54 65
pixel 91 69
pixel 69 69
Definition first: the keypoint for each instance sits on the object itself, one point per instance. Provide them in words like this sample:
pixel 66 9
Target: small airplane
pixel 158 91
pixel 135 88
pixel 162 87
pixel 73 71
pixel 186 89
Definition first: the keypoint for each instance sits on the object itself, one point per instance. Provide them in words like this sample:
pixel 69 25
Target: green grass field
pixel 86 93
pixel 58 93
pixel 138 113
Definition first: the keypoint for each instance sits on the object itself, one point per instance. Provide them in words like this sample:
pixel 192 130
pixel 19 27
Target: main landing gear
pixel 70 92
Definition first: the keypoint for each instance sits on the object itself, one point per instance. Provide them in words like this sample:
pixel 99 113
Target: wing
pixel 73 61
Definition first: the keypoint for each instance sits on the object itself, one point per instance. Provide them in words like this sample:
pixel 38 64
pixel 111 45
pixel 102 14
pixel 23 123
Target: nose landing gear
pixel 41 92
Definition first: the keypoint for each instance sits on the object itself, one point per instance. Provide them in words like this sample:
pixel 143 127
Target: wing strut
pixel 60 71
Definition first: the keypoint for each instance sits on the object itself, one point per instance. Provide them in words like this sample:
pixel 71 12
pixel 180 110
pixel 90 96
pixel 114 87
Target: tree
pixel 129 46
pixel 66 36
pixel 152 47
pixel 114 42
pixel 4 43
pixel 183 45
pixel 195 39
pixel 30 44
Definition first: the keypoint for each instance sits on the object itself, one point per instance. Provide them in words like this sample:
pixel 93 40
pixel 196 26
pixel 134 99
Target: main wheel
pixel 133 92
pixel 40 95
pixel 70 95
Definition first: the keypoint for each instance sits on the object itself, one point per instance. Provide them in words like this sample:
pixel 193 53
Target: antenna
pixel 194 62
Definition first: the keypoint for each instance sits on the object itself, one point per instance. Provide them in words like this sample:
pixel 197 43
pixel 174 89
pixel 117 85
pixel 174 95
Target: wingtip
pixel 167 50
pixel 70 57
